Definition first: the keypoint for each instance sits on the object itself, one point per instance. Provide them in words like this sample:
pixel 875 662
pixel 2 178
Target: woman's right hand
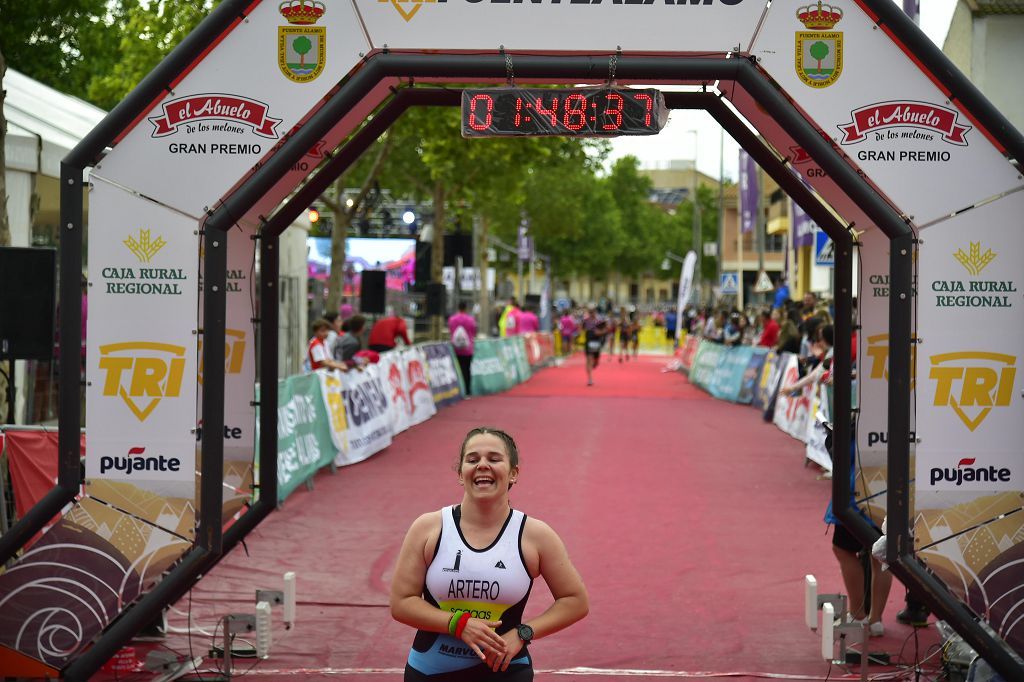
pixel 482 639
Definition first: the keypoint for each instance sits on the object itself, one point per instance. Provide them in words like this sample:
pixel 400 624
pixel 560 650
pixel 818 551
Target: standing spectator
pixel 770 333
pixel 387 329
pixel 317 350
pixel 462 328
pixel 350 341
pixel 733 334
pixel 810 303
pixel 789 332
pixel 528 321
pixel 670 326
pixel 567 327
pixel 781 292
pixel 346 311
pixel 508 323
pixel 332 333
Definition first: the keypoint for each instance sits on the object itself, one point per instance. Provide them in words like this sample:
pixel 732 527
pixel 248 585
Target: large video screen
pixel 397 257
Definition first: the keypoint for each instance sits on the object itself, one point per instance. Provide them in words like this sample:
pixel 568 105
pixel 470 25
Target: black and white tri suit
pixel 491 583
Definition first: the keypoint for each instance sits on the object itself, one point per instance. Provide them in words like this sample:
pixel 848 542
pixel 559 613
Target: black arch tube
pixel 638 68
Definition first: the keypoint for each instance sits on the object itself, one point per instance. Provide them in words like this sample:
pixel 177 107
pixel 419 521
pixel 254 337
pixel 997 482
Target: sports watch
pixel 525 633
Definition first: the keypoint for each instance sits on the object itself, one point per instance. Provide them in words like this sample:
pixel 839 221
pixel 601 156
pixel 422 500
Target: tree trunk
pixel 437 248
pixel 483 265
pixel 341 221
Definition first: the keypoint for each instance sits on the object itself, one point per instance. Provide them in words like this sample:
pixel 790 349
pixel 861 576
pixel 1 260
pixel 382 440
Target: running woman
pixel 464 574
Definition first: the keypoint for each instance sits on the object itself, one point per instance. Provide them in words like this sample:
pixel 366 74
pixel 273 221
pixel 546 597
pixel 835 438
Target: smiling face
pixel 485 468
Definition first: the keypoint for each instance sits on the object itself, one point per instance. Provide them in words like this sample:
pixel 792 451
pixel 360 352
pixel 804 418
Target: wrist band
pixel 454 621
pixel 463 619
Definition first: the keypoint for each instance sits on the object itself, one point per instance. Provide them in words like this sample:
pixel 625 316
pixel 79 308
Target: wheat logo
pixel 981 386
pixel 975 261
pixel 145 247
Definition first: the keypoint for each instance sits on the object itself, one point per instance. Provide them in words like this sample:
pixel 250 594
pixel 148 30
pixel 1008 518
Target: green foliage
pixel 50 40
pixel 302 45
pixel 147 34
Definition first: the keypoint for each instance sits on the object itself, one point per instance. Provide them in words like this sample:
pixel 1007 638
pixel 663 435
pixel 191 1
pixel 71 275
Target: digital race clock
pixel 584 112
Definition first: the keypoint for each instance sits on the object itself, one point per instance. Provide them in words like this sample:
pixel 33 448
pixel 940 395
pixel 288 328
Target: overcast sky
pixel 676 141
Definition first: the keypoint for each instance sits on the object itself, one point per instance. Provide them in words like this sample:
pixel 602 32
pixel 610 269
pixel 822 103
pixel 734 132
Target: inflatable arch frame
pixel 383 75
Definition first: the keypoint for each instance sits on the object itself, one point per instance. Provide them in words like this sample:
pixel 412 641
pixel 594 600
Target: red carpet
pixel 692 522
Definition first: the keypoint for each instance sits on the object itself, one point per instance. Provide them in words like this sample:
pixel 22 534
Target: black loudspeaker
pixel 372 292
pixel 28 284
pixel 532 301
pixel 458 244
pixel 435 298
pixel 423 251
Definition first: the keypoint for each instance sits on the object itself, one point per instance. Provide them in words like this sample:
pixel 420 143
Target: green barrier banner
pixel 489 368
pixel 303 432
pixel 727 380
pixel 517 347
pixel 705 364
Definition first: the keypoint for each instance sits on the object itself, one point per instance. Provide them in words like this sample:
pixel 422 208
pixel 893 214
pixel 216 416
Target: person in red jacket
pixel 386 331
pixel 770 333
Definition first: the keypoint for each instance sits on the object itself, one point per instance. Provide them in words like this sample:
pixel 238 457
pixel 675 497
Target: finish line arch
pixel 170 187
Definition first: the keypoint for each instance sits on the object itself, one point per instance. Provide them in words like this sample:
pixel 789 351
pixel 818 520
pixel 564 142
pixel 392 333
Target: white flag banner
pixel 685 288
pixel 971 324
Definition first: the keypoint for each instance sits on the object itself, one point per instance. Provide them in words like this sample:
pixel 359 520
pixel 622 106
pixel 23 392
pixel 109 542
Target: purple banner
pixel 749 194
pixel 803 226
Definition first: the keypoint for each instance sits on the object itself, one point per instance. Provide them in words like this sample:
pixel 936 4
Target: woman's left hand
pixel 513 645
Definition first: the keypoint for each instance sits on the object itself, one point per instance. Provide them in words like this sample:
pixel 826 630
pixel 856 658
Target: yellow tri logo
pixel 878 351
pixel 234 352
pixel 972 383
pixel 142 373
pixel 145 247
pixel 975 261
pixel 409 8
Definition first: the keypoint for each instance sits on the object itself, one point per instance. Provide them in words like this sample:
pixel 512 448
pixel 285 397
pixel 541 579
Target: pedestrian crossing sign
pixel 764 283
pixel 824 250
pixel 729 283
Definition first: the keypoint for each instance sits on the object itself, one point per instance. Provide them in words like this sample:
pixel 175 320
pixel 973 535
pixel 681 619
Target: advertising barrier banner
pixel 727 379
pixel 304 441
pixel 792 412
pixel 369 415
pixel 446 383
pixel 752 375
pixel 490 371
pixel 393 383
pixel 689 353
pixel 419 397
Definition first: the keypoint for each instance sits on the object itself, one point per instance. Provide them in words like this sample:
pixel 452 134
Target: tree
pixel 302 45
pixel 819 51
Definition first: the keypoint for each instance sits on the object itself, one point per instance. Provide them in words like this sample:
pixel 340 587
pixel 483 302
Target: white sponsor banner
pixel 793 412
pixel 816 433
pixel 393 382
pixel 421 399
pixel 470 278
pixel 971 323
pixel 239 348
pixel 228 112
pixel 369 416
pixel 709 26
pixel 332 390
pixel 900 128
pixel 685 289
pixel 141 358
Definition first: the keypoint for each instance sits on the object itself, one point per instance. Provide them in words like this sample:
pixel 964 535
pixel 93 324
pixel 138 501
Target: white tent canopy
pixel 43 124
